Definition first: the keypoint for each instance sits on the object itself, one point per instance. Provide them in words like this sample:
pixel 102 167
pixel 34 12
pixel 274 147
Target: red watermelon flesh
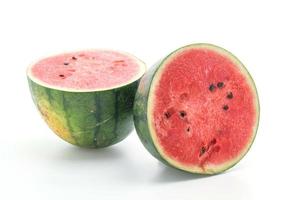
pixel 88 70
pixel 204 108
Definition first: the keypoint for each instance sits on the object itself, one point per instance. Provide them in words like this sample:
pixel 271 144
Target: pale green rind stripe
pixel 81 117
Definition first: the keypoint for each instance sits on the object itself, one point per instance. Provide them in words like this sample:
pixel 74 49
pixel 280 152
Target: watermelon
pixel 86 97
pixel 197 109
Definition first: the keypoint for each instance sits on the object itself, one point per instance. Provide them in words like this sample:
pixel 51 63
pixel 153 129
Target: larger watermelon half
pixel 86 97
pixel 197 109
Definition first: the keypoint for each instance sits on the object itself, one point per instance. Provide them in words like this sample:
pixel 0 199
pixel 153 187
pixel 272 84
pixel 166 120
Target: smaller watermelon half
pixel 86 97
pixel 197 110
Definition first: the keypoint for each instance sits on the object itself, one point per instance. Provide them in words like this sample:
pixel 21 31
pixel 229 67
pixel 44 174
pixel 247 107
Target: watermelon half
pixel 86 97
pixel 197 109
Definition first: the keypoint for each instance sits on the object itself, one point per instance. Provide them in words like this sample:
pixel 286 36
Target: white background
pixel 36 164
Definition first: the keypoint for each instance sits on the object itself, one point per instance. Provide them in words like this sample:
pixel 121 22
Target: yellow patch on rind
pixel 55 121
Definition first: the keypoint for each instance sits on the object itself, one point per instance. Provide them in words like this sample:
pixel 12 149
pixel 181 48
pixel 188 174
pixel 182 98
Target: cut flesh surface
pixel 87 70
pixel 204 109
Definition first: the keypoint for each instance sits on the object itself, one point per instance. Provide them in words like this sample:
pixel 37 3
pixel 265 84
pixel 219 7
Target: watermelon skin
pixel 140 112
pixel 142 118
pixel 87 119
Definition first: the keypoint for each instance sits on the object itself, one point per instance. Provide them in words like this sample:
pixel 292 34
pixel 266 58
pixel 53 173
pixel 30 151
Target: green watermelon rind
pixel 143 102
pixel 87 118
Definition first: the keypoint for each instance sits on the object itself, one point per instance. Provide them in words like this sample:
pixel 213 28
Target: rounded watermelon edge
pixel 87 118
pixel 142 114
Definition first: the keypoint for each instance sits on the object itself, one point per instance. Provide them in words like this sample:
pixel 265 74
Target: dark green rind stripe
pixel 116 111
pixel 104 115
pixel 106 121
pixel 49 95
pixel 117 122
pixel 125 123
pixel 97 115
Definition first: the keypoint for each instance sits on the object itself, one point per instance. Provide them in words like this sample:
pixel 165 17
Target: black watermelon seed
pixel 61 75
pixel 66 63
pixel 74 58
pixel 167 115
pixel 188 129
pixel 211 87
pixel 225 107
pixel 202 151
pixel 220 84
pixel 230 95
pixel 183 113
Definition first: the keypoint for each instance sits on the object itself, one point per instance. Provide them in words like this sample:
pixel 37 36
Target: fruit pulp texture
pixel 86 69
pixel 204 110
